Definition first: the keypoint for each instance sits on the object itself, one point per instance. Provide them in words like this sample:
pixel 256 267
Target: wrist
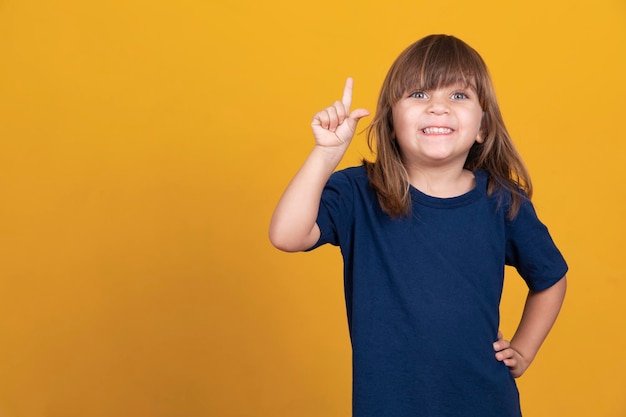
pixel 330 154
pixel 524 354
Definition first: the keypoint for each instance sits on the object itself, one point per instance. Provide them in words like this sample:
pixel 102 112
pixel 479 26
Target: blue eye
pixel 459 96
pixel 418 94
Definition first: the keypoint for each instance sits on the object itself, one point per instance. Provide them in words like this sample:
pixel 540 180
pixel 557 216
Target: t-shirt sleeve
pixel 531 250
pixel 335 209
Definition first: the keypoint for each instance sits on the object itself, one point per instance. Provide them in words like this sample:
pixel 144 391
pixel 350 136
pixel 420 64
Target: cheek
pixel 400 122
pixel 476 120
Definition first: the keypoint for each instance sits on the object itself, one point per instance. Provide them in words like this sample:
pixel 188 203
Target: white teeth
pixel 437 130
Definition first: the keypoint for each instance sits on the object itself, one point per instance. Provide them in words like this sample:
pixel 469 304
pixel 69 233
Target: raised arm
pixel 539 315
pixel 293 226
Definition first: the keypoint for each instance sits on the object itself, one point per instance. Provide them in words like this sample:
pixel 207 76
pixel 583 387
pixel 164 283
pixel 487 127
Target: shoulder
pixel 349 188
pixel 355 172
pixel 355 176
pixel 502 193
pixel 339 201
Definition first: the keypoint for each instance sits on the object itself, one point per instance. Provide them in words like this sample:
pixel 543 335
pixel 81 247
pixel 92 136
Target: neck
pixel 441 182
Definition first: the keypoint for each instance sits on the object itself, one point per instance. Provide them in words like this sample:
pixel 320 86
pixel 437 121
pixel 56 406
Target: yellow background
pixel 143 145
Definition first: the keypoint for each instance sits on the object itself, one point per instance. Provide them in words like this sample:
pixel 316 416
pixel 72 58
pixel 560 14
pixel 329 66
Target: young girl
pixel 425 232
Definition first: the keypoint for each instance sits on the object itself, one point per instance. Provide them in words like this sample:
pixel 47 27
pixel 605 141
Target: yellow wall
pixel 144 143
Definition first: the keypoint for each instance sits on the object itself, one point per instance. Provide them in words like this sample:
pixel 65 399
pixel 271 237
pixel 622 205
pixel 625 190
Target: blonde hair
pixel 433 62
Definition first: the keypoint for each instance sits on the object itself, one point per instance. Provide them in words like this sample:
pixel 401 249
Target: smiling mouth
pixel 436 130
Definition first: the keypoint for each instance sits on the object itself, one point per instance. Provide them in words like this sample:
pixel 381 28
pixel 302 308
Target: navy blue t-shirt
pixel 423 292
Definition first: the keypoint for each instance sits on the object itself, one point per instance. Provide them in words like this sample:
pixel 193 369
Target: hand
pixel 510 357
pixel 335 126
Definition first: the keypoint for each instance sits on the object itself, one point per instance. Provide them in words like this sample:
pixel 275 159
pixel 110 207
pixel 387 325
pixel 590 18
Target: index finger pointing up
pixel 347 94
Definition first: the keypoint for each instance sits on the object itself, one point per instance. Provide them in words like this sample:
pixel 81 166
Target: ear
pixel 479 138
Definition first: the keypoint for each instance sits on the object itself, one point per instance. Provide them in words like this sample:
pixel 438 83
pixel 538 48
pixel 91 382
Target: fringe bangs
pixel 435 63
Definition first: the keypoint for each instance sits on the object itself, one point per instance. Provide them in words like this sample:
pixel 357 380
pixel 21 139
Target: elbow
pixel 288 240
pixel 283 242
pixel 281 245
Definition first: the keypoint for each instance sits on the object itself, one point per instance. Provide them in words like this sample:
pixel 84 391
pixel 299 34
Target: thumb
pixel 357 114
pixel 354 118
pixel 348 127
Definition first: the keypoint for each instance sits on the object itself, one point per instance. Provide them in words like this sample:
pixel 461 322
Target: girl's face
pixel 437 127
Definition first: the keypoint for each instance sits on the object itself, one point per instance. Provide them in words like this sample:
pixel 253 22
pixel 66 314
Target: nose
pixel 438 105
